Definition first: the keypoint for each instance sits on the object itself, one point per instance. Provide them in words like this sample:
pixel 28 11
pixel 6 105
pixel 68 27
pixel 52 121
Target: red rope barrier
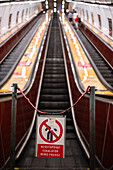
pixel 52 113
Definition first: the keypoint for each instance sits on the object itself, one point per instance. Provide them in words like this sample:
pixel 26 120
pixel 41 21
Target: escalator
pixel 54 98
pixel 8 65
pixel 104 68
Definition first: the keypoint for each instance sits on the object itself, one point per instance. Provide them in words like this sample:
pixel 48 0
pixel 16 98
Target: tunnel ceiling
pixel 50 3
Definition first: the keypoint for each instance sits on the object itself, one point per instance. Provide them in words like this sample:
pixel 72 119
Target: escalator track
pixel 54 97
pixel 103 67
pixel 10 62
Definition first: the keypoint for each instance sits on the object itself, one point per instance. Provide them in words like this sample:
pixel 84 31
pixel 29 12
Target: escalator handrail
pixel 107 44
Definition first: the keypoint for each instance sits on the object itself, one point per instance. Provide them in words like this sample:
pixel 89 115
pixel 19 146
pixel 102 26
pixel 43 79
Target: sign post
pixel 92 128
pixel 50 136
pixel 13 126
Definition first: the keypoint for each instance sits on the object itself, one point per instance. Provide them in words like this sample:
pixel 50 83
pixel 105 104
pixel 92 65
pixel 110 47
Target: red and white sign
pixel 50 136
pixel 26 63
pixel 84 65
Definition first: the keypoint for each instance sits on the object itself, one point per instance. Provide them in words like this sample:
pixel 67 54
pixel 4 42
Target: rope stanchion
pixel 52 113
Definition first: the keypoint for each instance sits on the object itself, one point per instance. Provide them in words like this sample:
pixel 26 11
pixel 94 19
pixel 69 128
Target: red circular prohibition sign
pixel 44 123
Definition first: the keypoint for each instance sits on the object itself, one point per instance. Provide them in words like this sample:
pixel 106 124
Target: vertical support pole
pixel 13 126
pixel 92 128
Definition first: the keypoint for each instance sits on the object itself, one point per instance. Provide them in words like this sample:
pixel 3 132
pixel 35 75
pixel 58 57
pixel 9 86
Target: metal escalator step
pixel 2 69
pixel 54 62
pixel 54 76
pixel 105 75
pixel 54 97
pixel 101 64
pixel 54 85
pixel 54 91
pixel 10 59
pixel 55 65
pixel 111 83
pixel 109 79
pixel 3 73
pixel 102 68
pixel 8 62
pixel 58 56
pixel 55 53
pixel 53 80
pixel 96 56
pixel 57 71
pixel 4 66
pixel 52 105
pixel 70 128
pixel 56 111
pixel 54 68
pixel 55 59
pixel 69 121
pixel 107 71
pixel 98 60
pixel 71 136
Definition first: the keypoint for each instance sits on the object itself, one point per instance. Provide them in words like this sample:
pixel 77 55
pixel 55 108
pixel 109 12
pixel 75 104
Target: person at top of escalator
pixel 70 17
pixel 74 16
pixel 76 22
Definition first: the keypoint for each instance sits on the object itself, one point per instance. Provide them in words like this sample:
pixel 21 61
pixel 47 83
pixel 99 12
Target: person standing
pixel 70 17
pixel 76 22
pixel 74 16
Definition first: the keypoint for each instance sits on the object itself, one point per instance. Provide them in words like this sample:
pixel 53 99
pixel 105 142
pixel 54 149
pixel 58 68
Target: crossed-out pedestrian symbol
pixel 50 132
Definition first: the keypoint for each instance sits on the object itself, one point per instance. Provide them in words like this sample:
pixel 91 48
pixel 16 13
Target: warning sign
pixel 50 136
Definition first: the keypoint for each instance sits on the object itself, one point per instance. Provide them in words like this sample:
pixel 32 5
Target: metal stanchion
pixel 92 128
pixel 13 126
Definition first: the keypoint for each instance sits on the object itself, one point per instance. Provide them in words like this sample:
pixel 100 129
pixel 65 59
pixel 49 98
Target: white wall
pixel 103 10
pixel 12 8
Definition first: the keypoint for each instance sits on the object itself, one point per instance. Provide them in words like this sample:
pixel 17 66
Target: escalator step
pixel 8 62
pixel 107 71
pixel 57 71
pixel 71 136
pixel 54 91
pixel 3 69
pixel 54 68
pixel 69 121
pixel 52 105
pixel 54 85
pixel 105 75
pixel 54 76
pixel 59 80
pixel 70 128
pixel 3 73
pixel 55 59
pixel 55 65
pixel 10 59
pixel 109 79
pixel 68 113
pixel 54 97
